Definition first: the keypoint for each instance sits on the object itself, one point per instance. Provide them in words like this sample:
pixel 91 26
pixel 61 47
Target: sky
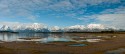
pixel 63 13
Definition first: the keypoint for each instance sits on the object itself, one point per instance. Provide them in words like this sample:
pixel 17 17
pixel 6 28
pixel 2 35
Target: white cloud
pixel 86 18
pixel 113 17
pixel 116 20
pixel 11 24
pixel 26 8
pixel 110 17
pixel 119 10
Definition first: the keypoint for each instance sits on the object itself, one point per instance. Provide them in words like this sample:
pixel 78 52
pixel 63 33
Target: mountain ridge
pixel 37 27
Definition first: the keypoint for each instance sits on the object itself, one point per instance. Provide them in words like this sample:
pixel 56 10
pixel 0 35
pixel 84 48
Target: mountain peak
pixel 35 27
pixel 96 26
pixel 5 28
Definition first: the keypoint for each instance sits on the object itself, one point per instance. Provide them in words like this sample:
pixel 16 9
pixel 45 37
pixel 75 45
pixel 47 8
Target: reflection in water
pixel 77 45
pixel 49 37
pixel 8 37
pixel 43 37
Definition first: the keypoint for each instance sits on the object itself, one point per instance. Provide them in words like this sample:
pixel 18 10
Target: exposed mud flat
pixel 111 42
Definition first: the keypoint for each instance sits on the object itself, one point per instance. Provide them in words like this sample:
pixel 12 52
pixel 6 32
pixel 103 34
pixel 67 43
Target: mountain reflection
pixel 42 37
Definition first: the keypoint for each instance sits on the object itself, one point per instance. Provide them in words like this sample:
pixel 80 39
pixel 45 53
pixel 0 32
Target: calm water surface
pixel 49 37
pixel 43 37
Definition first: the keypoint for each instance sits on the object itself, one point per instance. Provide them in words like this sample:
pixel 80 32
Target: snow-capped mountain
pixel 18 27
pixel 37 27
pixel 5 28
pixel 89 28
pixel 56 29
pixel 81 27
pixel 96 26
pixel 75 28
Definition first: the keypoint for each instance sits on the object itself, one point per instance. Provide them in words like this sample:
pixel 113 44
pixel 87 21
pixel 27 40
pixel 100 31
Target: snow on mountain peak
pixel 77 27
pixel 5 28
pixel 41 27
pixel 55 28
pixel 96 26
pixel 36 26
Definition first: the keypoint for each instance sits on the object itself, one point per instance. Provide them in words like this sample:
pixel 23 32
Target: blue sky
pixel 63 12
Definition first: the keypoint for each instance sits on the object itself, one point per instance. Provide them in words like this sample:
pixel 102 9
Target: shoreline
pixel 62 47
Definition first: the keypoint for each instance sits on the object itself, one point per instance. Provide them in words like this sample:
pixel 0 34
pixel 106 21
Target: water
pixel 42 37
pixel 78 45
pixel 48 37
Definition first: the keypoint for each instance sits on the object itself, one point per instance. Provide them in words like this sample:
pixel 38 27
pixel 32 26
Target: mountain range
pixel 37 27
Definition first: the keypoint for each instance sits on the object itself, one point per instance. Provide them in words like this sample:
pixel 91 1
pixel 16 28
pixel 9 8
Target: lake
pixel 43 37
pixel 50 37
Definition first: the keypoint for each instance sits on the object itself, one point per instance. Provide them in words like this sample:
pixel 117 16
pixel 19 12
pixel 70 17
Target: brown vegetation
pixel 62 47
